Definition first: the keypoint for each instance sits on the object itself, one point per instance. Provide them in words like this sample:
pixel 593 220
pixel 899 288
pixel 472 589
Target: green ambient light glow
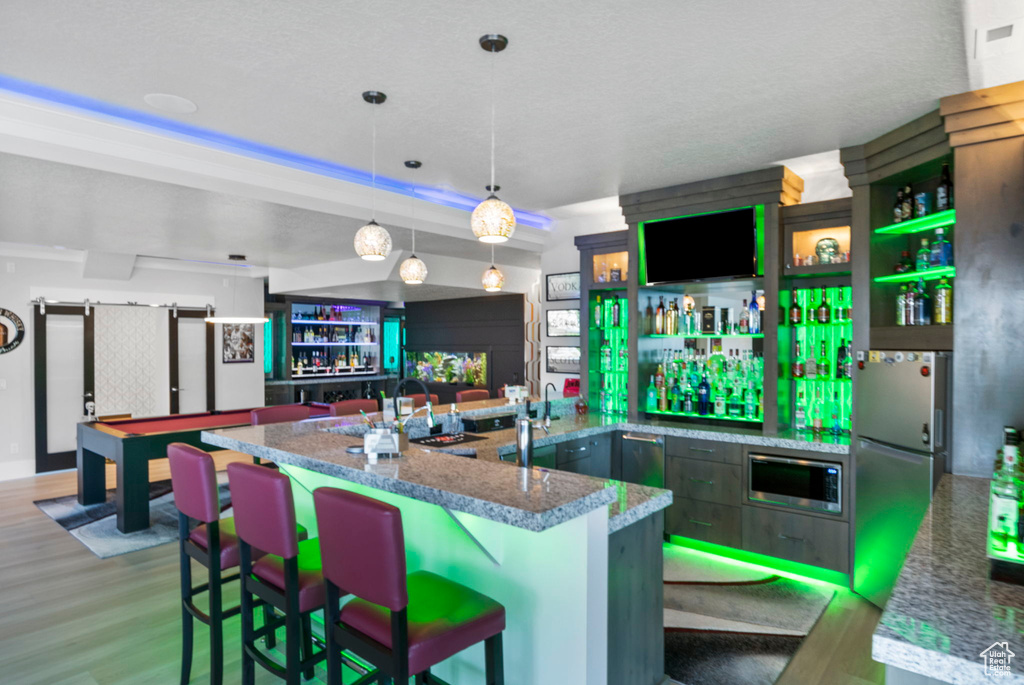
pixel 924 223
pixel 268 347
pixel 695 415
pixel 760 562
pixel 610 383
pixel 912 276
pixel 703 336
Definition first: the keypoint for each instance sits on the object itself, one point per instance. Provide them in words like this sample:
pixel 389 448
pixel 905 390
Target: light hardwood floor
pixel 68 618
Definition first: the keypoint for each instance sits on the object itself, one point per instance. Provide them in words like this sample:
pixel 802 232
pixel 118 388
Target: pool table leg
pixel 92 476
pixel 132 494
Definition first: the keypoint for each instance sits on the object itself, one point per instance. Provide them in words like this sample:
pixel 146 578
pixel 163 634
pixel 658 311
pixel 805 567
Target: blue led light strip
pixel 249 148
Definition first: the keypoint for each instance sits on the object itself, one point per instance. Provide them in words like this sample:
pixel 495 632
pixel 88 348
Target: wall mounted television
pixel 715 246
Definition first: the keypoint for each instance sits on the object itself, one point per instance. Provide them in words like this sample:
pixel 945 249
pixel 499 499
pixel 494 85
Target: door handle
pixel 701 449
pixel 174 390
pixel 87 395
pixel 788 537
pixel 705 482
pixel 700 523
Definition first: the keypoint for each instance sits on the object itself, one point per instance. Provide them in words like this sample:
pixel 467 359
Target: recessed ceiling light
pixel 175 104
pixel 413 163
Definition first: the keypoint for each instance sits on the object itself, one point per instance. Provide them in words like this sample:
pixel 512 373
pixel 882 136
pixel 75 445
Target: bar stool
pixel 419 399
pixel 279 414
pixel 349 407
pixel 472 395
pixel 288 578
pixel 402 624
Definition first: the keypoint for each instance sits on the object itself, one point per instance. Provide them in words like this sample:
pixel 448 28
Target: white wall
pixel 27 273
pixel 560 256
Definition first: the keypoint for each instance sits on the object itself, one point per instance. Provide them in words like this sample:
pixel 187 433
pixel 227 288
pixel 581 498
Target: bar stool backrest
pixel 472 395
pixel 279 414
pixel 194 480
pixel 420 400
pixel 264 508
pixel 349 407
pixel 362 546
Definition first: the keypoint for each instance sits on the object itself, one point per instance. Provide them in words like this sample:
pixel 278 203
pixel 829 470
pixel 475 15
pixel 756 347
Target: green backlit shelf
pixel 695 415
pixel 824 380
pixel 706 336
pixel 913 276
pixel 924 223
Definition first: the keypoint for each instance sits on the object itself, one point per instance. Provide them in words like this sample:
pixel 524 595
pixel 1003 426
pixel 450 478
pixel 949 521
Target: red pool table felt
pixel 182 422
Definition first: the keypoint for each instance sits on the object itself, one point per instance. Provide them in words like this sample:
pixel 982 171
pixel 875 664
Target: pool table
pixel 131 443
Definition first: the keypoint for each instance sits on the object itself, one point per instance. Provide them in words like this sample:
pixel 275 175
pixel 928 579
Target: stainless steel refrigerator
pixel 900 449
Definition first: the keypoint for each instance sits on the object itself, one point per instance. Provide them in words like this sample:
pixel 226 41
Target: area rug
pixel 727 622
pixel 95 525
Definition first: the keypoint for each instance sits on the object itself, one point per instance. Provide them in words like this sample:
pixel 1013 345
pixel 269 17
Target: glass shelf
pixel 925 223
pixel 314 322
pixel 706 336
pixel 334 344
pixel 695 415
pixel 912 276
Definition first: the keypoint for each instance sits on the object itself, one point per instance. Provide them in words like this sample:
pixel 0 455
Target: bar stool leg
pixel 248 665
pixel 495 663
pixel 292 627
pixel 307 645
pixel 216 619
pixel 186 596
pixel 331 607
pixel 268 616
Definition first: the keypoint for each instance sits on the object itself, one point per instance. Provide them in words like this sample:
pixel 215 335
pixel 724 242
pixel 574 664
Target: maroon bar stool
pixel 279 414
pixel 472 395
pixel 349 407
pixel 419 399
pixel 288 578
pixel 501 391
pixel 402 624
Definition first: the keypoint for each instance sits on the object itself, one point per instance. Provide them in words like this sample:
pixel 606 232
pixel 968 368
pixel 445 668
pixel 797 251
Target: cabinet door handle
pixel 705 482
pixel 701 449
pixel 788 537
pixel 652 441
pixel 570 450
pixel 700 523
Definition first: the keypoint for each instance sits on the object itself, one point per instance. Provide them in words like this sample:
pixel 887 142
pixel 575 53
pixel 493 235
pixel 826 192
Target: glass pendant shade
pixel 493 221
pixel 413 271
pixel 373 242
pixel 493 280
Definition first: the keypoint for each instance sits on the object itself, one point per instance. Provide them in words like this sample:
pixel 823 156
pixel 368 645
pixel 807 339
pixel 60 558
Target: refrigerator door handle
pixel 940 428
pixel 894 452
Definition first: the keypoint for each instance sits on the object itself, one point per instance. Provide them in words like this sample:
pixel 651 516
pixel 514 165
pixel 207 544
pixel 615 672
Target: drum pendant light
pixel 493 221
pixel 373 242
pixel 210 318
pixel 493 279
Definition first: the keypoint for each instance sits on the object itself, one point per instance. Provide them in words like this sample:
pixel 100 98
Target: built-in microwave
pixel 800 483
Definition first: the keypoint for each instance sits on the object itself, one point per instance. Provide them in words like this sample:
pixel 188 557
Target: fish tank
pixel 454 368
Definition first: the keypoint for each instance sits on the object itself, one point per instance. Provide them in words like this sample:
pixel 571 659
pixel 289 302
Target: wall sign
pixel 563 323
pixel 239 344
pixel 563 286
pixel 563 359
pixel 12 330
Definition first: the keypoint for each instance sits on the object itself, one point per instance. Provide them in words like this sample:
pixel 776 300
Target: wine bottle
pixel 598 323
pixel 824 311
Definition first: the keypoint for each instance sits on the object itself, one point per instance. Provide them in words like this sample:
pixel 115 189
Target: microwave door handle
pixel 888 451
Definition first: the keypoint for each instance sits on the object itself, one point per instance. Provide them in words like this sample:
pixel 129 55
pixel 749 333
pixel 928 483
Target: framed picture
pixel 563 323
pixel 238 343
pixel 563 286
pixel 563 359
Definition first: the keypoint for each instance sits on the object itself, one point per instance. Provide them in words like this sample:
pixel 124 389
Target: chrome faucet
pixel 426 394
pixel 547 404
pixel 524 439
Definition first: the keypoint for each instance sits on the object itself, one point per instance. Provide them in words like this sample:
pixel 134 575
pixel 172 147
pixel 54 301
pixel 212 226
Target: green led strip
pixel 782 567
pixel 925 223
pixel 702 336
pixel 911 276
pixel 695 415
pixel 268 346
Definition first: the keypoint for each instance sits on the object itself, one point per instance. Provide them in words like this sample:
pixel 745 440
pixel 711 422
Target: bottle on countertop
pixel 944 193
pixel 1005 493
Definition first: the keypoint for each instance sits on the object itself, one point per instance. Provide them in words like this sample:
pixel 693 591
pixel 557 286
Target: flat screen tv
pixel 703 247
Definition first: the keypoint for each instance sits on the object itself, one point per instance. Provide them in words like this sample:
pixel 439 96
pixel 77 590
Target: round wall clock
pixel 12 330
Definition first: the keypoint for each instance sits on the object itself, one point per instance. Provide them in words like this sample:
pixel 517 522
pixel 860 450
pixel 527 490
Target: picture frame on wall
pixel 563 359
pixel 239 343
pixel 563 286
pixel 563 323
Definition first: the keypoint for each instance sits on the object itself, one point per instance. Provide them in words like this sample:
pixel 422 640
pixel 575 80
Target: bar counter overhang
pixel 538 541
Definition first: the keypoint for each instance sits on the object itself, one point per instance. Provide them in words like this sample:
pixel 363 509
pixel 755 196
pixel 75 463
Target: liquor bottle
pixel 750 402
pixel 908 203
pixel 719 400
pixel 800 422
pixel 944 193
pixel 906 264
pixel 942 250
pixel 659 377
pixel 616 274
pixel 796 314
pixel 1005 493
pixel 841 359
pixel 744 319
pixel 676 399
pixel 901 306
pixel 649 318
pixel 659 317
pixel 922 305
pixel 606 356
pixel 688 401
pixel 798 363
pixel 754 315
pixel 672 319
pixel 598 311
pixel 897 209
pixel 823 370
pixel 824 311
pixel 816 411
pixel 835 423
pixel 910 310
pixel 704 396
pixel 615 312
pixel 924 257
pixel 848 363
pixel 943 303
pixel 735 407
pixel 663 397
pixel 811 365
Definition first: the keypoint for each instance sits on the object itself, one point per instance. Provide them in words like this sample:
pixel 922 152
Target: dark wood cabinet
pixel 806 539
pixel 707 450
pixel 716 523
pixel 705 481
pixel 591 456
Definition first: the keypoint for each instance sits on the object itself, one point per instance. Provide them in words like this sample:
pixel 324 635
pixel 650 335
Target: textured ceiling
pixel 595 98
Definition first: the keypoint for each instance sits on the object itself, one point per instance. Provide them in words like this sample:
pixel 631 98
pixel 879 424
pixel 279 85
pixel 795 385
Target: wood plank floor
pixel 68 618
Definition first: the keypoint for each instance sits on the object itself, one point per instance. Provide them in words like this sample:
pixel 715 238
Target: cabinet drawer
pixel 706 481
pixel 543 457
pixel 807 539
pixel 708 450
pixel 599 447
pixel 714 523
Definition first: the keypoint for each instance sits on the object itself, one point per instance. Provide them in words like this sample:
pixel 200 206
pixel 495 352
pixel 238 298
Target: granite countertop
pixel 945 610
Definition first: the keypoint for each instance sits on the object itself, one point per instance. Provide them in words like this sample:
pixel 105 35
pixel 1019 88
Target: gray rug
pixel 727 622
pixel 95 525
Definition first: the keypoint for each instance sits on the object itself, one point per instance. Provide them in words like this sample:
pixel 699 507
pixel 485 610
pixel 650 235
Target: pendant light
pixel 413 271
pixel 493 221
pixel 234 288
pixel 373 242
pixel 493 279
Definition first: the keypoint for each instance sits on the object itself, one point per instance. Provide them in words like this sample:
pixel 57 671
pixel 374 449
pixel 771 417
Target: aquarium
pixel 456 368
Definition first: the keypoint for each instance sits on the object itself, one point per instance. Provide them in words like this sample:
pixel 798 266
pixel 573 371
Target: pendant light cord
pixel 373 191
pixel 492 255
pixel 412 201
pixel 493 190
